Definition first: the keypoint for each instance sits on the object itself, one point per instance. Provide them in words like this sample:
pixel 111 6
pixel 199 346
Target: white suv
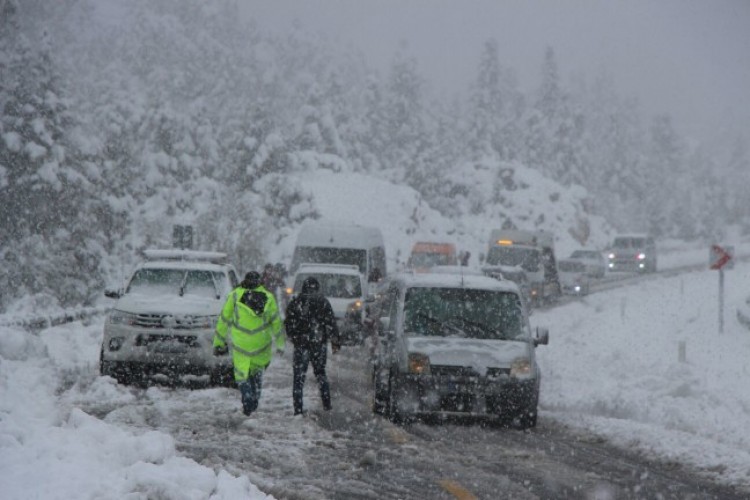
pixel 162 324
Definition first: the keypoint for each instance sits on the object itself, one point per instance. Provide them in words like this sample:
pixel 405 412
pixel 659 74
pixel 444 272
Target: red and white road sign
pixel 719 256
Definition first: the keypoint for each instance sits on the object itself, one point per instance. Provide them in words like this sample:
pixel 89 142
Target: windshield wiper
pixel 216 286
pixel 182 284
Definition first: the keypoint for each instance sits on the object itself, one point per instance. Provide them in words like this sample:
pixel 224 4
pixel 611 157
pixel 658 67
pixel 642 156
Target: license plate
pixel 170 348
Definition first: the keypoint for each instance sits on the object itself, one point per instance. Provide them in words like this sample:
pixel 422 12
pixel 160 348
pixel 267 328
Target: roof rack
pixel 350 267
pixel 189 255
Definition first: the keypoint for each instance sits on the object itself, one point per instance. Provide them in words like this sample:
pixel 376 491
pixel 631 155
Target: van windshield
pixel 325 255
pixel 337 286
pixel 527 258
pixel 462 312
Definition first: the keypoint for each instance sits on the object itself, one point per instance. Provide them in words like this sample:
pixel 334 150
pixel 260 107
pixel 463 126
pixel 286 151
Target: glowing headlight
pixel 641 256
pixel 521 368
pixel 121 318
pixel 354 307
pixel 289 291
pixel 419 363
pixel 611 256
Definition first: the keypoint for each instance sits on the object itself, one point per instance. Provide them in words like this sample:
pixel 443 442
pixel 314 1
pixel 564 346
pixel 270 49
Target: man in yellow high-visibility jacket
pixel 249 326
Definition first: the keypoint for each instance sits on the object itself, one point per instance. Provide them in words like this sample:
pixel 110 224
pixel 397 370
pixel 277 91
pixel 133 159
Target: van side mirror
pixel 113 294
pixel 542 336
pixel 385 323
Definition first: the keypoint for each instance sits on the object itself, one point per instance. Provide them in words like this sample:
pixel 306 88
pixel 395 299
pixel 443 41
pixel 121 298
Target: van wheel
pixel 395 414
pixel 382 386
pixel 103 365
pixel 527 420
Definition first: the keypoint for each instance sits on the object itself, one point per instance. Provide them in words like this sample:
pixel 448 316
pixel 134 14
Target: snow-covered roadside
pixel 613 368
pixel 49 450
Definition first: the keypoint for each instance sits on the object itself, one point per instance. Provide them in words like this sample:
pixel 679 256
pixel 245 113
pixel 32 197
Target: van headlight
pixel 520 368
pixel 419 363
pixel 354 307
pixel 122 318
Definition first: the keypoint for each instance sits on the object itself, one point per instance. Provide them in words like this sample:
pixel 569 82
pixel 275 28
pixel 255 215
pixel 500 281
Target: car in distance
pixel 635 252
pixel 573 277
pixel 162 323
pixel 596 265
pixel 425 254
pixel 345 288
pixel 456 345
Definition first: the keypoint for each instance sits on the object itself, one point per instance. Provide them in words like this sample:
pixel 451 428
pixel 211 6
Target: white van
pixel 327 243
pixel 532 251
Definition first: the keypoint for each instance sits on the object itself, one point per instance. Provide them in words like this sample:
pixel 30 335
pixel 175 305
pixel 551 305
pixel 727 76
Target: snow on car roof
pixel 632 235
pixel 456 281
pixel 182 264
pixel 182 254
pixel 328 269
pixel 446 269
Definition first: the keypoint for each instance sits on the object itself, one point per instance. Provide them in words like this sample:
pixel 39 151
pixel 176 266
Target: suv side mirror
pixel 112 294
pixel 542 336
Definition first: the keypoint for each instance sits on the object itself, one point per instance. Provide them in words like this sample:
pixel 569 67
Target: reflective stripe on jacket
pixel 251 337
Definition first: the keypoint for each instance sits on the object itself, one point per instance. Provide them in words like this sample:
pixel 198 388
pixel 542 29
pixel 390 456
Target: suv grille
pixel 166 321
pixel 189 340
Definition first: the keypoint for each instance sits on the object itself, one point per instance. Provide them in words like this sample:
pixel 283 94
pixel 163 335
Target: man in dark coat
pixel 310 325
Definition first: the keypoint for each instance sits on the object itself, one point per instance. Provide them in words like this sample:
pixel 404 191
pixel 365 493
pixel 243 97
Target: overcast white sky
pixel 690 58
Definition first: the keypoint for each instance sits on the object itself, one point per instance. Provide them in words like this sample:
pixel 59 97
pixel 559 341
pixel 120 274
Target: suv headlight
pixel 641 256
pixel 121 318
pixel 419 363
pixel 520 368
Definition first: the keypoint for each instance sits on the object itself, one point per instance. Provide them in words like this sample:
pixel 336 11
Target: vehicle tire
pixel 222 377
pixel 528 418
pixel 381 400
pixel 104 368
pixel 394 413
pixel 110 369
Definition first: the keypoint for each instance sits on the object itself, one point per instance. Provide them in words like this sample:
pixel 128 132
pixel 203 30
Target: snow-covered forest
pixel 114 128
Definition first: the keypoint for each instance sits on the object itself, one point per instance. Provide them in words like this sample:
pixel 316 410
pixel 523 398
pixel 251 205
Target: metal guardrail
pixel 47 321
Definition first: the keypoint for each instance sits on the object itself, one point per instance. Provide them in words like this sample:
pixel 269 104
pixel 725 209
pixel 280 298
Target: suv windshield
pixel 569 266
pixel 629 243
pixel 461 312
pixel 177 281
pixel 337 286
pixel 527 258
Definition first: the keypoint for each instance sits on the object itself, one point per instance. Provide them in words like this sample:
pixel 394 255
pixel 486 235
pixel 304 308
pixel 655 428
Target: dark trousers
pixel 250 392
pixel 303 356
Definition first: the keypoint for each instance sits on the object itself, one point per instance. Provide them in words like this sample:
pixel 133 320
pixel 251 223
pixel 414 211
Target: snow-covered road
pixel 622 416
